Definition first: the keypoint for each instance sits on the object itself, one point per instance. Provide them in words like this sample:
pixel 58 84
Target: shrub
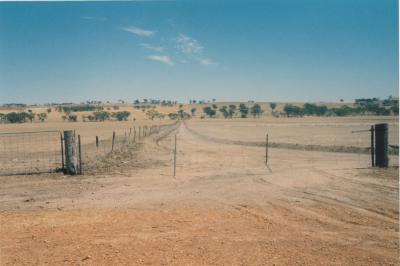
pixel 121 116
pixel 21 117
pixel 42 117
pixel 244 110
pixel 101 115
pixel 173 116
pixel 209 111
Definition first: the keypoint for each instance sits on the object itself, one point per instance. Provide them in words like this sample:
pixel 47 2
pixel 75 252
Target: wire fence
pixel 30 152
pixel 108 154
pixel 334 145
pixel 43 151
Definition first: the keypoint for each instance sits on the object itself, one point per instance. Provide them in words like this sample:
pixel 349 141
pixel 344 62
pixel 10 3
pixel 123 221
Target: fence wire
pixel 107 154
pixel 30 152
pixel 303 145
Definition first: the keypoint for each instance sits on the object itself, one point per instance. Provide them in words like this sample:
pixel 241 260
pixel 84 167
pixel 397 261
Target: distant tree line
pixel 100 116
pixel 372 106
pixel 232 109
pixel 156 102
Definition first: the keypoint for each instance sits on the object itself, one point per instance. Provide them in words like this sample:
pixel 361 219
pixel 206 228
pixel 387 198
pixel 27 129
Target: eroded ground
pixel 224 207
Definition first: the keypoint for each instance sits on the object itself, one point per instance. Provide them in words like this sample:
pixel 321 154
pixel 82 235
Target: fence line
pixel 31 152
pixel 43 151
pixel 315 153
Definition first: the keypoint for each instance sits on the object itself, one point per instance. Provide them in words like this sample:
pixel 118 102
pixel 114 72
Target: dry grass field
pixel 225 206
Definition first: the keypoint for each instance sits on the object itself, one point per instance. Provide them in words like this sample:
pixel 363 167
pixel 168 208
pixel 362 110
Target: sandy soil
pixel 305 130
pixel 224 207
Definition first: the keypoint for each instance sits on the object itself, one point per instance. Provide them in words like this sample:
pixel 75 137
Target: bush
pixel 209 111
pixel 101 115
pixel 21 117
pixel 121 116
pixel 173 116
pixel 42 117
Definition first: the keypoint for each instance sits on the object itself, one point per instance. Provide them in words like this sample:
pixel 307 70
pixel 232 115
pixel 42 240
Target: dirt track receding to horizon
pixel 224 207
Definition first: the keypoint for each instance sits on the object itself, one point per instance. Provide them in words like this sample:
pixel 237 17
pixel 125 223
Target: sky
pixel 272 50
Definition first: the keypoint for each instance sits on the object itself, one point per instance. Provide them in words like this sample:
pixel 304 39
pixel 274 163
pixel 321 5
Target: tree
pixel 209 111
pixel 256 110
pixel 48 110
pixel 121 116
pixel 14 117
pixel 215 106
pixel 151 114
pixel 224 111
pixel 292 110
pixel 42 117
pixel 232 110
pixel 101 115
pixel 273 106
pixel 72 118
pixel 244 110
pixel 313 109
pixel 193 111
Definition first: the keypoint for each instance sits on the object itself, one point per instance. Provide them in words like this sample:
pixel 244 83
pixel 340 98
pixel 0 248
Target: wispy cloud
pixel 161 58
pixel 188 45
pixel 205 61
pixel 139 31
pixel 94 18
pixel 147 46
pixel 192 49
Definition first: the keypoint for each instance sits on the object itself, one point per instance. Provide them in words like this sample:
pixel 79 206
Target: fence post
pixel 113 139
pixel 80 154
pixel 97 141
pixel 175 157
pixel 71 158
pixel 266 149
pixel 139 132
pixel 134 134
pixel 62 152
pixel 372 146
pixel 381 145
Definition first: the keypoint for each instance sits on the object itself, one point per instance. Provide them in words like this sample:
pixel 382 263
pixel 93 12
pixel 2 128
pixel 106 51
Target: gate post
pixel 71 155
pixel 381 145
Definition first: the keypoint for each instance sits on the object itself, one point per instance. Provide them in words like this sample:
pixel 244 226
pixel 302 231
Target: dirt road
pixel 224 207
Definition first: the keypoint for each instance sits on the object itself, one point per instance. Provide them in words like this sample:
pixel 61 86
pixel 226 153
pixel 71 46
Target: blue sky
pixel 282 50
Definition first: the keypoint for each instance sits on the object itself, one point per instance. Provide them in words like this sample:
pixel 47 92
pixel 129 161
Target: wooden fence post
pixel 175 157
pixel 134 134
pixel 97 141
pixel 113 140
pixel 266 149
pixel 80 154
pixel 71 158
